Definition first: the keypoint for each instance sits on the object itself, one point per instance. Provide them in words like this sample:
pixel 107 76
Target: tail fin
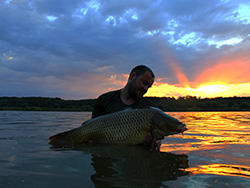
pixel 60 140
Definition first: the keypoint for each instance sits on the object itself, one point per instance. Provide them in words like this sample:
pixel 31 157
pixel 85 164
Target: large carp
pixel 125 127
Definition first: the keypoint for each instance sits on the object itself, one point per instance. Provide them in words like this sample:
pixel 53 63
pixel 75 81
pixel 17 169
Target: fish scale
pixel 119 128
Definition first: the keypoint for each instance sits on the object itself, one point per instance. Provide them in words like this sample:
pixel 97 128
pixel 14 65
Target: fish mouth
pixel 182 128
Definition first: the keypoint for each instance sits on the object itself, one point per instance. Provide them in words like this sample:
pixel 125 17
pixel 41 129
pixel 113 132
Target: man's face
pixel 139 85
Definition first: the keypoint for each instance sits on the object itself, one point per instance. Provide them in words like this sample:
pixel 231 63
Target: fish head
pixel 164 125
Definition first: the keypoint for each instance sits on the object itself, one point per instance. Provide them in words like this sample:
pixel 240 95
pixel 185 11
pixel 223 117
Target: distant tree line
pixel 45 104
pixel 192 103
pixel 187 103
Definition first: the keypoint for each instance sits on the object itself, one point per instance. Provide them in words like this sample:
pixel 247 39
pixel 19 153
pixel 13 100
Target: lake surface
pixel 214 152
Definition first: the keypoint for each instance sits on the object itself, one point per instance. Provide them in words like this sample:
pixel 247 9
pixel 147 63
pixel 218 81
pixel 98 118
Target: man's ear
pixel 132 76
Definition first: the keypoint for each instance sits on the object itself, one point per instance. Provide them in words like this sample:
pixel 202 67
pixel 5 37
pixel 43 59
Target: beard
pixel 135 92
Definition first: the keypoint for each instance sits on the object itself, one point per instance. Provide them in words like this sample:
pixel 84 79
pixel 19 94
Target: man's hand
pixel 148 140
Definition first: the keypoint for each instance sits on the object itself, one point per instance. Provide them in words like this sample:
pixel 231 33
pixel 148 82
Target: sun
pixel 215 88
pixel 209 90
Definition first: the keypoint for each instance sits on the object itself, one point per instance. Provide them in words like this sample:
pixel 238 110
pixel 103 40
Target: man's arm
pixel 98 109
pixel 105 103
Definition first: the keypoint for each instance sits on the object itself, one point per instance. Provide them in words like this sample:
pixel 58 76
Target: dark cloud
pixel 53 40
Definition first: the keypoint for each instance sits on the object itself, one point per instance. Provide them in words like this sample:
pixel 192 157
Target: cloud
pixel 92 40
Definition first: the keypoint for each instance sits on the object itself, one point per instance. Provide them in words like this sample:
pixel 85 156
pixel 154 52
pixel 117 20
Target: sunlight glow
pixel 204 91
pixel 227 78
pixel 212 88
pixel 222 169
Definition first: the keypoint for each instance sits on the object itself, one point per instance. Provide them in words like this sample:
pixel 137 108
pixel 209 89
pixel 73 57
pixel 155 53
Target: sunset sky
pixel 79 49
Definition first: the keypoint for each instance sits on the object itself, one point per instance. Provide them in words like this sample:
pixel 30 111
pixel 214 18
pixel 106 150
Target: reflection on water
pixel 212 130
pixel 222 169
pixel 214 152
pixel 134 166
pixel 221 136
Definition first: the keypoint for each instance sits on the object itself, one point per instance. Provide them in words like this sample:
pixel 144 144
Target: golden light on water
pixel 222 169
pixel 221 139
pixel 218 130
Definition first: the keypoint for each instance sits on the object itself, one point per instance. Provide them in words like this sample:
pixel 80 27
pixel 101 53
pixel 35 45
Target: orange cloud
pixel 166 90
pixel 235 72
pixel 223 80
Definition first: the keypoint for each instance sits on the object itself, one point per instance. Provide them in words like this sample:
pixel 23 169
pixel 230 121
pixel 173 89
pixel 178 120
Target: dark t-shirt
pixel 111 102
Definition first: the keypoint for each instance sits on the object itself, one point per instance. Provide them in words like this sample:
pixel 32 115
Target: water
pixel 214 152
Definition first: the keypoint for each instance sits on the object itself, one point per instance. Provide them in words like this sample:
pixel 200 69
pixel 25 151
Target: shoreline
pixel 166 104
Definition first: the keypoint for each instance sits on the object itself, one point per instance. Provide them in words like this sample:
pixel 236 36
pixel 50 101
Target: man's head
pixel 141 69
pixel 141 78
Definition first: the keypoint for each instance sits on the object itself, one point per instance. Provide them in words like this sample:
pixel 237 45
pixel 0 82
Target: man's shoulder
pixel 110 94
pixel 147 102
pixel 104 102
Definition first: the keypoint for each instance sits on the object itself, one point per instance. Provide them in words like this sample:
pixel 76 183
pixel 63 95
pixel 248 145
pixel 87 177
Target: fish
pixel 128 126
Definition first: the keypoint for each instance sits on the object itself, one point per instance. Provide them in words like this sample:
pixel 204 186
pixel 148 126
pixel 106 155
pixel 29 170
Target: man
pixel 141 78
